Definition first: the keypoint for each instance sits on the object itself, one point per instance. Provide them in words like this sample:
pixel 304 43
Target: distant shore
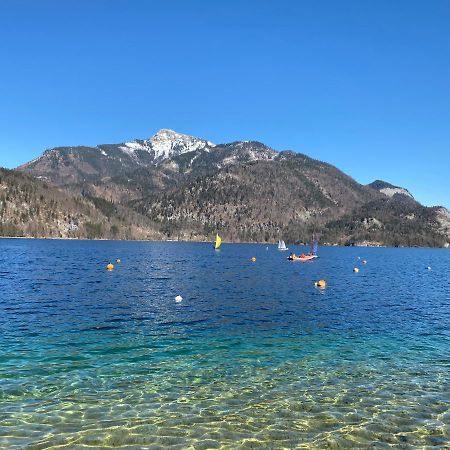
pixel 327 244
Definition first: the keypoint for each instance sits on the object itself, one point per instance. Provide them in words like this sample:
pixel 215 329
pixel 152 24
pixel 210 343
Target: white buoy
pixel 178 298
pixel 428 268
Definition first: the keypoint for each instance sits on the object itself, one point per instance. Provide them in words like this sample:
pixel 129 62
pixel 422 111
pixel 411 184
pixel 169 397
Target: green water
pixel 253 357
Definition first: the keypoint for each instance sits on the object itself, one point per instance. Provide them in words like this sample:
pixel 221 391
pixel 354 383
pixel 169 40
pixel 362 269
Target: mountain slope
pixel 391 221
pixel 174 171
pixel 181 186
pixel 32 208
pixel 258 200
pixel 390 190
pixel 75 165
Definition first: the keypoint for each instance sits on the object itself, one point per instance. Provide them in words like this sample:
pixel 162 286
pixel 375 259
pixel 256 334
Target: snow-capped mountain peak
pixel 167 143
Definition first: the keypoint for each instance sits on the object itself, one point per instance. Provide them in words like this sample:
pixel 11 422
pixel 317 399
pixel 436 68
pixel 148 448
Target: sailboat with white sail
pixel 282 246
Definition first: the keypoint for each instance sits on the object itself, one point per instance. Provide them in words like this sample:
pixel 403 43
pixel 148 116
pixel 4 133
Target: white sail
pixel 282 245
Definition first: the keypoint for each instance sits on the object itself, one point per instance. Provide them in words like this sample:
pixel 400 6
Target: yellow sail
pixel 218 242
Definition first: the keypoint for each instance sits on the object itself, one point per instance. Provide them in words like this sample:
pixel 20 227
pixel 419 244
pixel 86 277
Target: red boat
pixel 294 257
pixel 310 256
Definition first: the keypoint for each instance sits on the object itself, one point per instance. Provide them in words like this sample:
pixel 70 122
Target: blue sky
pixel 363 85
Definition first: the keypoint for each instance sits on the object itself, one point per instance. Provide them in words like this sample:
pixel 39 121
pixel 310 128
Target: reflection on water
pixel 253 357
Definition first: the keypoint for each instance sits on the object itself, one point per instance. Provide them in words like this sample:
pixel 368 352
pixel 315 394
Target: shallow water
pixel 253 357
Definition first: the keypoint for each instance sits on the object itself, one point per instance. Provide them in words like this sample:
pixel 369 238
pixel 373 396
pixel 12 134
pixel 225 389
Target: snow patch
pixel 130 148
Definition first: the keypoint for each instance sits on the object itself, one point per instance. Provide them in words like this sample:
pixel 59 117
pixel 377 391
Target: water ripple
pixel 253 357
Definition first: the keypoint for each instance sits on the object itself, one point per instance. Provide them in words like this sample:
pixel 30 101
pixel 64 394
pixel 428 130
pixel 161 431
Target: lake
pixel 254 356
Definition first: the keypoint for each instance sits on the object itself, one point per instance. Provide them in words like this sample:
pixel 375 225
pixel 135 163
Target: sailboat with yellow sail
pixel 217 242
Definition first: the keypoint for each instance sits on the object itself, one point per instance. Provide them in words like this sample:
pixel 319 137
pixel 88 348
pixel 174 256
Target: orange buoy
pixel 321 284
pixel 110 267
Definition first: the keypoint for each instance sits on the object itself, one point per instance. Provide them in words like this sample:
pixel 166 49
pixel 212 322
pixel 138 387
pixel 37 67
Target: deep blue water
pixel 255 356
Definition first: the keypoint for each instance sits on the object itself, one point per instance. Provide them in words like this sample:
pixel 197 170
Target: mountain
pixel 182 168
pixel 185 187
pixel 33 208
pixel 81 164
pixel 392 222
pixel 390 190
pixel 289 193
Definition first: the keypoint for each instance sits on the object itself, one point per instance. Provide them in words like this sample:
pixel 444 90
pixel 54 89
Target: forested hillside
pixel 32 208
pixel 177 186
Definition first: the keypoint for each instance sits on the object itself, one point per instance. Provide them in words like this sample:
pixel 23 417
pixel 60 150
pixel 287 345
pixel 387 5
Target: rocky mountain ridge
pixel 190 188
pixel 390 190
pixel 72 165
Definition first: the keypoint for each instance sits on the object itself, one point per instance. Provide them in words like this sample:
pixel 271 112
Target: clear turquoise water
pixel 253 357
